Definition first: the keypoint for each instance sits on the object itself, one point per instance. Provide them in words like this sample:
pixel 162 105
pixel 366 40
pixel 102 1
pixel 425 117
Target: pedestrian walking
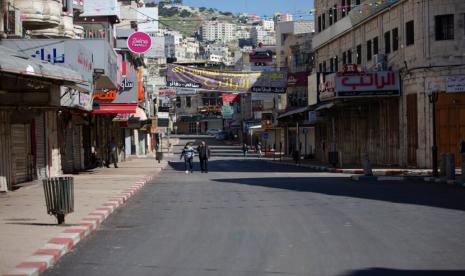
pixel 245 149
pixel 259 150
pixel 112 153
pixel 296 157
pixel 204 154
pixel 188 153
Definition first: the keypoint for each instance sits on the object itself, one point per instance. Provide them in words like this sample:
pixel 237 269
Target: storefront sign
pixel 227 111
pixel 126 84
pixel 455 84
pixel 298 79
pixel 226 81
pixel 139 42
pixel 354 84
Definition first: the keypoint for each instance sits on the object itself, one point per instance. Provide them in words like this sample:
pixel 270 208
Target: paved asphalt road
pixel 248 217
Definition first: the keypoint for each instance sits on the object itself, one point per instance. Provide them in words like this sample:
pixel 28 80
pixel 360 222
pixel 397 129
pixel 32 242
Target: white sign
pixel 368 84
pixel 455 84
pixel 101 8
pixel 262 96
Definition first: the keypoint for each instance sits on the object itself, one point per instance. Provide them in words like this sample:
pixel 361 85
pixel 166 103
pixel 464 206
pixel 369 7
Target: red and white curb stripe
pixel 58 246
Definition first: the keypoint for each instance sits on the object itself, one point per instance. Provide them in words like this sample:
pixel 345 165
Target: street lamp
pixel 433 98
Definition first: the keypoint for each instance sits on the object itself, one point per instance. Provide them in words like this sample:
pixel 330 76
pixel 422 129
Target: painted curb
pixel 58 246
pixel 376 172
pixel 460 183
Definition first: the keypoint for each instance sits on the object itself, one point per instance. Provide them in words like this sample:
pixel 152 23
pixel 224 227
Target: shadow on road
pixel 397 272
pixel 239 165
pixel 419 193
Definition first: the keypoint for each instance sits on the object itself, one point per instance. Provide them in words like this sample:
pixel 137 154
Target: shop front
pixel 361 116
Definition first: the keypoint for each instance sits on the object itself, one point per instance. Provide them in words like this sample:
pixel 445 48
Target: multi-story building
pixel 407 54
pixel 268 25
pixel 259 35
pixel 285 29
pixel 218 31
pixel 217 53
pixel 282 17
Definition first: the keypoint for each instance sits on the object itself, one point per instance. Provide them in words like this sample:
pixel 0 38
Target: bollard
pixel 442 165
pixel 450 166
pixel 367 169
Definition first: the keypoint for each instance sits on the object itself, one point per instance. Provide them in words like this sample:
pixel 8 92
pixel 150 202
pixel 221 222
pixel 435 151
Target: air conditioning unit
pixel 380 61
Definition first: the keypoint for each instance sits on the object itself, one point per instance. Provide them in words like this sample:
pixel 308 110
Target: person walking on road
pixel 245 149
pixel 204 154
pixel 188 153
pixel 112 153
pixel 259 150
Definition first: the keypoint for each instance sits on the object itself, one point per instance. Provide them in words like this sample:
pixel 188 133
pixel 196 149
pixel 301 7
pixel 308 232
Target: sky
pixel 258 7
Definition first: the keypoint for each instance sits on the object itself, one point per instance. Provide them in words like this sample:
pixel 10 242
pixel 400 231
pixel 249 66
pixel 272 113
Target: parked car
pixel 213 131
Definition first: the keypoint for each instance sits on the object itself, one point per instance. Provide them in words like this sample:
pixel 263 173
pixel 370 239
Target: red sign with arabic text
pixel 384 83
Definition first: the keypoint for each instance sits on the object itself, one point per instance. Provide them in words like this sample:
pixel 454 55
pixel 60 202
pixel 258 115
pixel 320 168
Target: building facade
pixel 421 45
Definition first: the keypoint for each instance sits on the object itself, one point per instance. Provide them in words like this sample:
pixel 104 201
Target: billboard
pixel 101 8
pixel 226 81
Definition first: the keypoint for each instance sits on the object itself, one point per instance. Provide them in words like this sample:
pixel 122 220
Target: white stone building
pixel 259 34
pixel 218 31
pixel 423 42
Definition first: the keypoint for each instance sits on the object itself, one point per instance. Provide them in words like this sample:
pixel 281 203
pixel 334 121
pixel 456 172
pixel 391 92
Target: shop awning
pixel 324 106
pixel 292 112
pixel 17 63
pixel 115 109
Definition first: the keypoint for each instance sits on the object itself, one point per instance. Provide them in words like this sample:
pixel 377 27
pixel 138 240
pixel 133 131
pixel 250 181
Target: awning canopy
pixel 17 63
pixel 115 109
pixel 292 112
pixel 324 106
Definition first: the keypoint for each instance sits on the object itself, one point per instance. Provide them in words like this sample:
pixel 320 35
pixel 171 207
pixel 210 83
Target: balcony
pixel 65 29
pixel 356 16
pixel 40 14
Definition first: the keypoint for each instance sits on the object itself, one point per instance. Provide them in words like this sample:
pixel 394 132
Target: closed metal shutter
pixel 21 145
pixel 77 148
pixel 41 150
pixel 68 160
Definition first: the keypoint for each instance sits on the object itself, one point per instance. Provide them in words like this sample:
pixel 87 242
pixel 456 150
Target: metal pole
pixel 305 144
pixel 434 149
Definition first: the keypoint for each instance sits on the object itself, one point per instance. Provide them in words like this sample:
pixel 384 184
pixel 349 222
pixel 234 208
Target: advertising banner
pixel 231 98
pixel 139 42
pixel 384 83
pixel 226 81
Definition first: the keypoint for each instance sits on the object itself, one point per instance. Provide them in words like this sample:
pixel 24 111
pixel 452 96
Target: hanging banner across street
pixel 226 81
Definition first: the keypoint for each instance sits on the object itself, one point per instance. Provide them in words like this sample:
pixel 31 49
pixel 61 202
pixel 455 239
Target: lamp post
pixel 433 98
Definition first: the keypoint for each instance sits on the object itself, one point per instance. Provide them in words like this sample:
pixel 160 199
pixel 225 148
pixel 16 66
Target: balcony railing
pixel 39 14
pixel 356 16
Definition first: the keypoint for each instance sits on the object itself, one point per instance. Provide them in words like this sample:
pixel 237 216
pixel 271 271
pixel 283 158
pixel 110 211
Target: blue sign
pixel 305 130
pixel 266 135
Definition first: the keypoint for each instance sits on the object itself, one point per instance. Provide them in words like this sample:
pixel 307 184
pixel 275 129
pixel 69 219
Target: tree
pixel 185 13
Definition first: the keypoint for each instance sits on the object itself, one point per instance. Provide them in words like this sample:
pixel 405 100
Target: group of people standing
pixel 258 150
pixel 189 153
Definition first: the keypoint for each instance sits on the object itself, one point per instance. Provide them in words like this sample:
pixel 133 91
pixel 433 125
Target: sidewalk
pixel 352 169
pixel 25 227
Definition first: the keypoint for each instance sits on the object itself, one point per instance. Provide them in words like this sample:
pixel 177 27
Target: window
pixel 357 2
pixel 319 23
pixel 344 58
pixel 324 66
pixel 335 13
pixel 343 12
pixel 336 64
pixel 349 56
pixel 348 6
pixel 387 42
pixel 323 21
pixel 330 16
pixel 375 46
pixel 331 65
pixel 359 54
pixel 188 102
pixel 409 33
pixel 444 27
pixel 178 102
pixel 369 50
pixel 395 39
pixel 320 67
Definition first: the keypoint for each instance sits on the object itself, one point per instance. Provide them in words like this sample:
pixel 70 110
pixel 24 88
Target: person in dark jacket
pixel 204 154
pixel 188 153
